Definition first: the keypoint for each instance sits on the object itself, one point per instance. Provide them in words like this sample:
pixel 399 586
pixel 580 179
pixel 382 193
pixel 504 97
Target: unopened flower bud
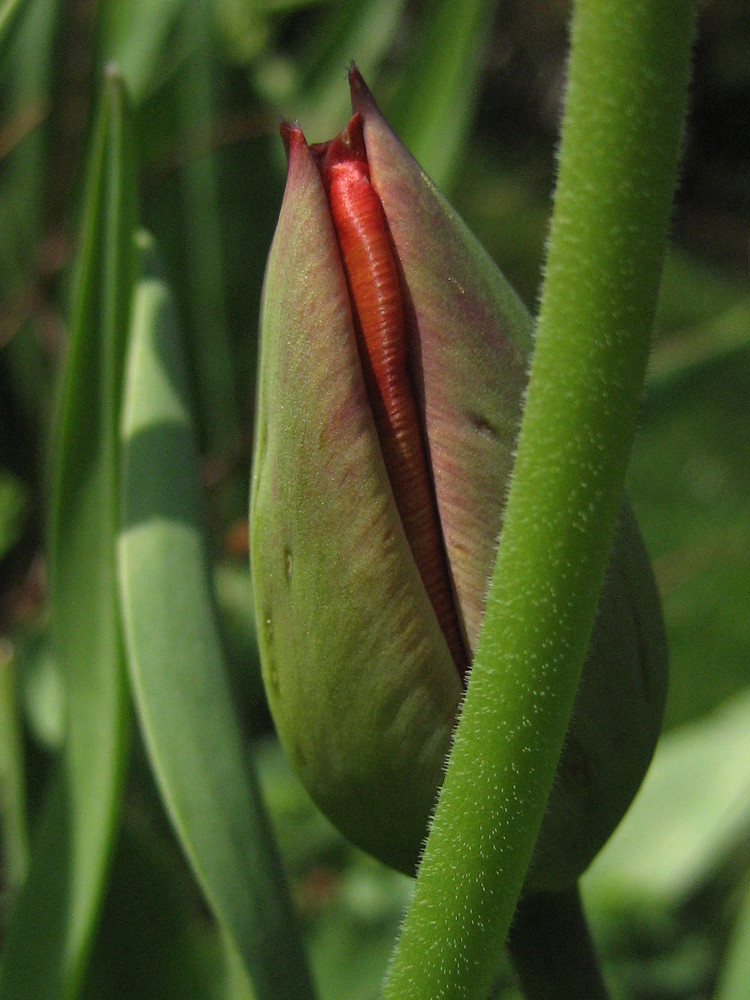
pixel 393 366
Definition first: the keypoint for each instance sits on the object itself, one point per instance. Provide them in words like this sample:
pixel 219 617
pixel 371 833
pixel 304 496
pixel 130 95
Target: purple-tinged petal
pixel 360 681
pixel 471 344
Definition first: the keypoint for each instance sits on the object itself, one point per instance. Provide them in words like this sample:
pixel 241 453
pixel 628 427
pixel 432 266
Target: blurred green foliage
pixel 475 90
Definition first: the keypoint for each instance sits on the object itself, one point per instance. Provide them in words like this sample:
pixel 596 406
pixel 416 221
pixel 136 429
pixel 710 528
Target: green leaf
pixel 177 665
pixel 197 112
pixel 690 481
pixel 141 44
pixel 13 504
pixel 691 813
pixel 735 972
pixel 703 318
pixel 433 116
pixel 27 78
pixel 9 20
pixel 309 88
pixel 42 688
pixel 154 940
pixel 14 842
pixel 53 923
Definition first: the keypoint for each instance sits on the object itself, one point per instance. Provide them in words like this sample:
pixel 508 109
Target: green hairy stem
pixel 625 106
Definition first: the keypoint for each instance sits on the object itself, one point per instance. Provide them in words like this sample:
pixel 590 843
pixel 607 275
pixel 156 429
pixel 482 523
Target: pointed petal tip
pixel 292 137
pixel 361 95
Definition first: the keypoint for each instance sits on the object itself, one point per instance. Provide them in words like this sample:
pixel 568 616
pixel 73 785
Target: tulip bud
pixel 393 365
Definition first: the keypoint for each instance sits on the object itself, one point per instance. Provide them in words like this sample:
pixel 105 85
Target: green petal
pixel 359 678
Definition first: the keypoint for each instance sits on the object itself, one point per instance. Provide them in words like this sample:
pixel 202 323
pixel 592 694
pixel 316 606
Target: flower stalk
pixel 625 104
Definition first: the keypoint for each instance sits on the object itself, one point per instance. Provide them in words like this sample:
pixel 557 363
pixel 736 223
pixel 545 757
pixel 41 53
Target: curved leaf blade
pixel 176 662
pixel 56 914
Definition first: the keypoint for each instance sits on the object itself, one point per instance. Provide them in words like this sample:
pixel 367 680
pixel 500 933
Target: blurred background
pixel 474 90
